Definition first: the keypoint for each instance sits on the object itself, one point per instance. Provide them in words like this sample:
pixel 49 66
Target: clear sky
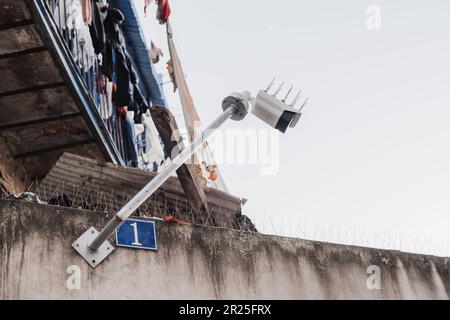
pixel 369 162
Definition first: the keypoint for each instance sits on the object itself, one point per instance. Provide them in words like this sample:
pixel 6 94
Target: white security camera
pixel 274 112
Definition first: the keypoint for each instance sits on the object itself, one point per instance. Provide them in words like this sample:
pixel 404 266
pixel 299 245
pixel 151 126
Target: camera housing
pixel 274 112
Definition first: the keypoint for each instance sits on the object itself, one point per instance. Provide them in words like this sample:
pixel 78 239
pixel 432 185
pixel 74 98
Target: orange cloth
pixel 213 175
pixel 172 219
pixel 169 68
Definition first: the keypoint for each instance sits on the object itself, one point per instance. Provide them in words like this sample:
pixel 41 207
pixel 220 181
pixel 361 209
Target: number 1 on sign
pixel 136 238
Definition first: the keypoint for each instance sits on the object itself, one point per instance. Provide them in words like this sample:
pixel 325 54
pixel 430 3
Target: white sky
pixel 369 162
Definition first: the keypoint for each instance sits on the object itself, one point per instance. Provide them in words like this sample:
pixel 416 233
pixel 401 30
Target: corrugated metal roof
pixel 140 52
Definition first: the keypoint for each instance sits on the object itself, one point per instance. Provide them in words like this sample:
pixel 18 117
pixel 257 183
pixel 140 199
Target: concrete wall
pixel 37 261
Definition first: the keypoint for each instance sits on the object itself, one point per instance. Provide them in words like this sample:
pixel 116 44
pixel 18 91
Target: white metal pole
pixel 159 179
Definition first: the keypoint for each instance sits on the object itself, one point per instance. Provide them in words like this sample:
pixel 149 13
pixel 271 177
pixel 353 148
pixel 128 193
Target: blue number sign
pixel 138 234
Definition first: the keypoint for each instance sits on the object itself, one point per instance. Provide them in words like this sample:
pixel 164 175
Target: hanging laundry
pixel 156 53
pixel 139 129
pixel 122 111
pixel 112 22
pixel 106 107
pixel 96 28
pixel 140 104
pixel 199 172
pixel 86 52
pixel 68 15
pixel 212 172
pixel 86 6
pixel 123 94
pixel 153 150
pixel 191 117
pixel 100 83
pixel 171 72
pixel 163 12
pixel 133 73
pixel 116 64
pixel 129 139
pixel 173 219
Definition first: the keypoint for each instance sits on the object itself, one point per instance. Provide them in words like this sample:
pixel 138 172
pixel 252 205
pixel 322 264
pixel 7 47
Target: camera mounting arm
pixel 93 246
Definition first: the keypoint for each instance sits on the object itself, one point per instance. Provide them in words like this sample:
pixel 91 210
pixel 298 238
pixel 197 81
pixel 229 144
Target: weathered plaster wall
pixel 196 262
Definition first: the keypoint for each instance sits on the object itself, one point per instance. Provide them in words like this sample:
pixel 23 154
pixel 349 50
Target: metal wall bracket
pixel 94 258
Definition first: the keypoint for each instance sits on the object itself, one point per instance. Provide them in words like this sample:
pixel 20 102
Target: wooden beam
pixel 13 11
pixel 168 130
pixel 32 89
pixel 38 121
pixel 22 53
pixel 16 24
pixel 53 148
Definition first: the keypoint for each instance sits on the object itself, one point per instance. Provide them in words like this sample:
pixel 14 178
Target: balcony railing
pixel 67 16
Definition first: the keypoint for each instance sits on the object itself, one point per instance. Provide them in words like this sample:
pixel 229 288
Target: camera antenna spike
pixel 287 94
pixel 303 105
pixel 296 98
pixel 271 84
pixel 279 89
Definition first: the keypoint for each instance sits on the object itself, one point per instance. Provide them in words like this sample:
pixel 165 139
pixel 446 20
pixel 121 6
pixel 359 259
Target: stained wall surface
pixel 194 262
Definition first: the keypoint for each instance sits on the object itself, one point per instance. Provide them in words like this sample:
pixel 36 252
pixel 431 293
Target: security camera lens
pixel 284 121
